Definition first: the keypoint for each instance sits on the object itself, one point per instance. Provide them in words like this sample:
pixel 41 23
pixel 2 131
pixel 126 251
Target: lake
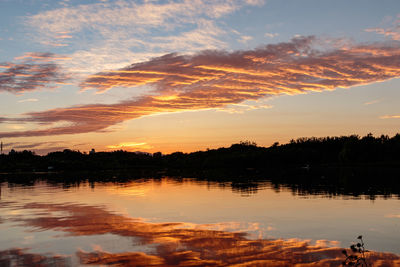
pixel 186 221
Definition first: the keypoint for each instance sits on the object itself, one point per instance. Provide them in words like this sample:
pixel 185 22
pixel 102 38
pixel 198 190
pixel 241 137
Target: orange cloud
pixel 373 101
pixel 215 79
pixel 390 117
pixel 178 244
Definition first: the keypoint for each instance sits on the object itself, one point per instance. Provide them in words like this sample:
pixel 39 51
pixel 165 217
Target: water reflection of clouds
pixel 183 244
pixel 253 230
pixel 21 257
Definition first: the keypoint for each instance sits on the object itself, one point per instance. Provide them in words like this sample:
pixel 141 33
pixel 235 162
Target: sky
pixel 185 76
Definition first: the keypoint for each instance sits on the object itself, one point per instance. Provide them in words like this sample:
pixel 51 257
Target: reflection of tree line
pixel 331 165
pixel 300 184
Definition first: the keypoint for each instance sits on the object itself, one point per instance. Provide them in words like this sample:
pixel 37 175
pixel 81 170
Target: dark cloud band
pixel 35 71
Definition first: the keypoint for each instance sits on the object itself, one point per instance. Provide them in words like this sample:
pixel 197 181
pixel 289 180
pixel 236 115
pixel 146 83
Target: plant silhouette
pixel 357 256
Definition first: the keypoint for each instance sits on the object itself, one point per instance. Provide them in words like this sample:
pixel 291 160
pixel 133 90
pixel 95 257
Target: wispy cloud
pixel 38 147
pixel 392 31
pixel 271 35
pixel 216 79
pixel 245 38
pixel 41 57
pixel 33 71
pixel 390 117
pixel 241 108
pixel 27 145
pixel 28 100
pixel 104 16
pixel 134 27
pixel 373 102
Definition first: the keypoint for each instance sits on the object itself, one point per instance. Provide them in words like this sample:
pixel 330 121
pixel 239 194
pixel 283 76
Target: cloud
pixel 373 101
pixel 293 67
pixel 128 13
pixel 116 30
pixel 215 79
pixel 255 2
pixel 392 31
pixel 15 127
pixel 271 35
pixel 390 117
pixel 41 57
pixel 204 36
pixel 121 48
pixel 184 244
pixel 28 100
pixel 25 145
pixel 63 36
pixel 41 148
pixel 244 39
pixel 241 108
pixel 34 71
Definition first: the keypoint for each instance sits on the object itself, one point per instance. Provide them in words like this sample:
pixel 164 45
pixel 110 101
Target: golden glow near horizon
pixel 128 146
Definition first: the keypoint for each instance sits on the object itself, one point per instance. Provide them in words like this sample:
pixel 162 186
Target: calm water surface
pixel 73 225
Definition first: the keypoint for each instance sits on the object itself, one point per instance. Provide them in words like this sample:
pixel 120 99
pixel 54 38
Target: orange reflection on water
pixel 182 244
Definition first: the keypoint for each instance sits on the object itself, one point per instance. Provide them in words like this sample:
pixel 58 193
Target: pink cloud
pixel 34 71
pixel 215 79
pixel 390 31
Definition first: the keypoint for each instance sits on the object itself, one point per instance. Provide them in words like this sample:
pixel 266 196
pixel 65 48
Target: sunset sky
pixel 189 75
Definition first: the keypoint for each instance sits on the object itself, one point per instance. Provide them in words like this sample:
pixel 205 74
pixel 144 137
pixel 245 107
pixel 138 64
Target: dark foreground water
pixel 161 222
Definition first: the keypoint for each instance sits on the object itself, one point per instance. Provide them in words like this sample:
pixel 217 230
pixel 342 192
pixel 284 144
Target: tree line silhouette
pixel 303 153
pixel 332 166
